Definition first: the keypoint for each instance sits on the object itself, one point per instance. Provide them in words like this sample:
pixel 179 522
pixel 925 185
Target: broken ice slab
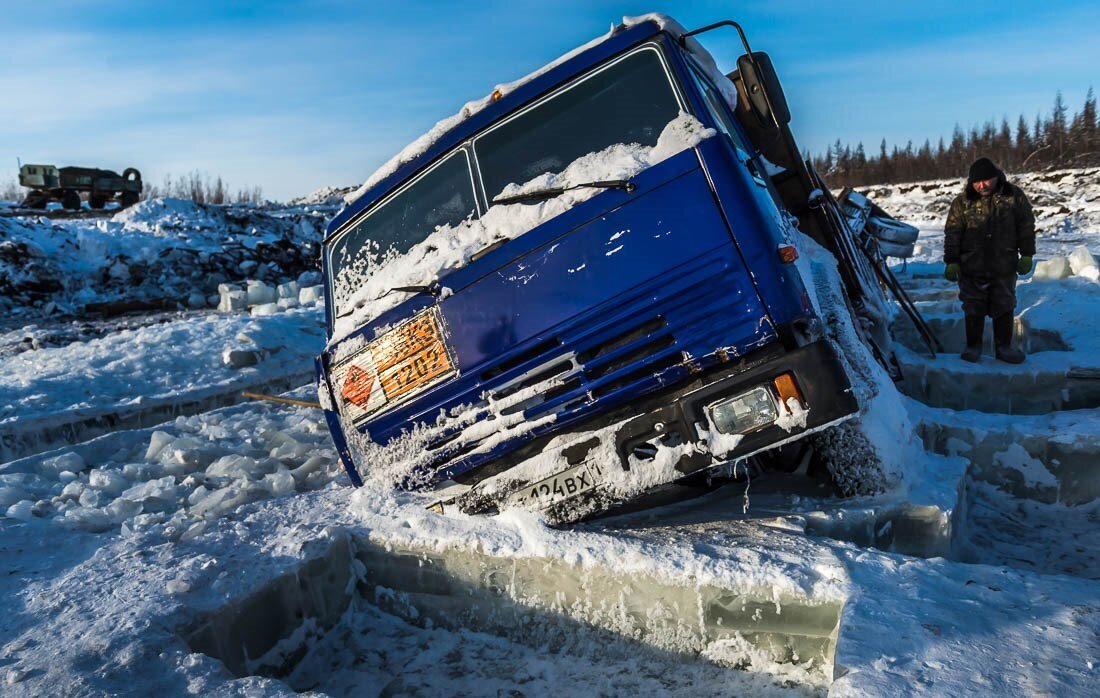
pixel 265 309
pixel 1050 459
pixel 1080 259
pixel 534 600
pixel 288 290
pixel 308 295
pixel 687 609
pixel 260 293
pixel 1042 384
pixel 950 330
pixel 231 300
pixel 1052 269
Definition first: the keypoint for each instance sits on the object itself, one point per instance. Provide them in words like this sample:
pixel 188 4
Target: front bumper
pixel 818 373
pixel 677 418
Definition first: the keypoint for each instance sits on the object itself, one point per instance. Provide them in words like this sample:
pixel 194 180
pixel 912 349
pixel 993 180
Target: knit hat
pixel 983 168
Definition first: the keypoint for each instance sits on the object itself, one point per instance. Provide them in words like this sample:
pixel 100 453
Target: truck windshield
pixel 442 196
pixel 630 101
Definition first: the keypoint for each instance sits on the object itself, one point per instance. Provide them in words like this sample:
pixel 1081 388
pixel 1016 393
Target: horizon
pixel 293 97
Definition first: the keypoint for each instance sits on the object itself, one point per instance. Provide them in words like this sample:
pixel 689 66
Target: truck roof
pixel 617 40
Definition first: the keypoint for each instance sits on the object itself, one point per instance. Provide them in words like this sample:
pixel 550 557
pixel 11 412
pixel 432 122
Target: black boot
pixel 975 325
pixel 1002 340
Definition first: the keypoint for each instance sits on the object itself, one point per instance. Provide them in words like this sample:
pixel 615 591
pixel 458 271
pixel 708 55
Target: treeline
pixel 1055 141
pixel 201 188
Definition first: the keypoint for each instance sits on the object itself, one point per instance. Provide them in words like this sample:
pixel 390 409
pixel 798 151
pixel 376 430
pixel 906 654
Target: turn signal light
pixel 787 253
pixel 784 385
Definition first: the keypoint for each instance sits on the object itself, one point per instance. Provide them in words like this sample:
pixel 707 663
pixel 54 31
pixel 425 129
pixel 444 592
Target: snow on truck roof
pixel 505 98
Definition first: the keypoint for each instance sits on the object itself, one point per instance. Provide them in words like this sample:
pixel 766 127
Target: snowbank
pixel 168 250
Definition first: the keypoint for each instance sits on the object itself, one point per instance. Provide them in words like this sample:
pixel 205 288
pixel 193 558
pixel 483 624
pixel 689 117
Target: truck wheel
pixel 128 198
pixel 851 459
pixel 36 200
pixel 70 200
pixel 97 201
pixel 131 173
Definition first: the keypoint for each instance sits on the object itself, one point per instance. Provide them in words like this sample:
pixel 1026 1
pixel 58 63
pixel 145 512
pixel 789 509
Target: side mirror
pixel 763 89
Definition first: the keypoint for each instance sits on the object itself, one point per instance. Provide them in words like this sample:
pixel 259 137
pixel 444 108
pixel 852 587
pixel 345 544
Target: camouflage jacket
pixel 987 235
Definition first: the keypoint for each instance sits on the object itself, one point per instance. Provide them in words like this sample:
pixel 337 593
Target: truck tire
pixel 891 230
pixel 97 201
pixel 70 200
pixel 131 173
pixel 896 249
pixel 37 200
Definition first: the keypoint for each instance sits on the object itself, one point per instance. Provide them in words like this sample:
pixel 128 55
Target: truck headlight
pixel 745 412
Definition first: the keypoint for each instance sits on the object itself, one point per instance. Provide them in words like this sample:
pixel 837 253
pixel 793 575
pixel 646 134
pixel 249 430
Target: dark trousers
pixel 983 297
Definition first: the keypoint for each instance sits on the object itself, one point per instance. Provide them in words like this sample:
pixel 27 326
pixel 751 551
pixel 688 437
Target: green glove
pixel 951 273
pixel 1023 266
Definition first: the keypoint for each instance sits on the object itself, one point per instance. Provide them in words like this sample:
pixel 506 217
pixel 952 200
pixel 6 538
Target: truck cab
pixel 582 288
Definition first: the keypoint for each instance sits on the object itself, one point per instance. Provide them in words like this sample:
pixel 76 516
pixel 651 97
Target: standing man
pixel 989 238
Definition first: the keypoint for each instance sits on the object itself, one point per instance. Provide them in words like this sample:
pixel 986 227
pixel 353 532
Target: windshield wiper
pixel 551 192
pixel 433 289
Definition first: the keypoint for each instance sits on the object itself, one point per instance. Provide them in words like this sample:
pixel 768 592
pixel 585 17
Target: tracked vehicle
pixel 607 296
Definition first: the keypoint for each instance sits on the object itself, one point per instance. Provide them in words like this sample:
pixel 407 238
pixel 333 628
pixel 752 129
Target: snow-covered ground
pixel 980 575
pixel 170 251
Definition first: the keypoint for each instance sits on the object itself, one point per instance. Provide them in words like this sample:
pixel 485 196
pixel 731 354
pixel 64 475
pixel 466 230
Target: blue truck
pixel 652 328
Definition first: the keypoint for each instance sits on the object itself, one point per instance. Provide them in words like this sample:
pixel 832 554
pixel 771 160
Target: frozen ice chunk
pixel 157 442
pixel 65 463
pixel 232 300
pixel 224 501
pixel 241 358
pixel 1080 259
pixel 138 471
pixel 181 456
pixel 1052 269
pixel 10 495
pixel 23 511
pixel 154 495
pixel 288 303
pixel 86 519
pixel 310 295
pixel 234 466
pixel 309 278
pixel 1091 273
pixel 90 498
pixel 72 490
pixel 279 482
pixel 311 466
pixel 260 293
pixel 178 585
pixel 264 309
pixel 122 509
pixel 288 290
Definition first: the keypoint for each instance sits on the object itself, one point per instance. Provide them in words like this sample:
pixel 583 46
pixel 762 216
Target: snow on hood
pixel 424 142
pixel 362 287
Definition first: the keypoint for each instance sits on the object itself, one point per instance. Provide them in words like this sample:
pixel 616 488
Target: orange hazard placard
pixel 411 356
pixel 401 362
pixel 357 386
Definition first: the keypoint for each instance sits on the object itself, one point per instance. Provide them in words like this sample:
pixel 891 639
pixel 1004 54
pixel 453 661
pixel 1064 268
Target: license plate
pixel 402 362
pixel 564 485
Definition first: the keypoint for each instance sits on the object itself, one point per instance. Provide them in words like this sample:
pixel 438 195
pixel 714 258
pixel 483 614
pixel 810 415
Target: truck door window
pixel 720 111
pixel 716 105
pixel 630 101
pixel 444 195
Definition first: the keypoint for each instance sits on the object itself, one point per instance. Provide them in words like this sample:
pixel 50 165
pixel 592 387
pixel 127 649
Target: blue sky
pixel 293 96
